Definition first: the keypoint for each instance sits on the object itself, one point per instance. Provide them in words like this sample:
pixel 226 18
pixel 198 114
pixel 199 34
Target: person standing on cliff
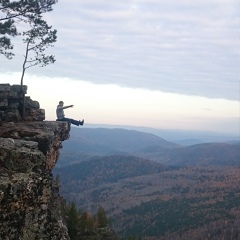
pixel 61 115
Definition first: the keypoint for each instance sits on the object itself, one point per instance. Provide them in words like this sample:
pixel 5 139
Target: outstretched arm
pixel 69 106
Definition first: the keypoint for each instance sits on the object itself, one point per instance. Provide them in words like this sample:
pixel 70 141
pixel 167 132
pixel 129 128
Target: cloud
pixel 187 47
pixel 111 104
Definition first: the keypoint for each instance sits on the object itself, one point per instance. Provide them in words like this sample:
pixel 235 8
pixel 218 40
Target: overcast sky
pixel 167 64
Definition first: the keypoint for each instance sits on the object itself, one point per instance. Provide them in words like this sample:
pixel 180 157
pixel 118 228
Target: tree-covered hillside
pixel 185 193
pixel 157 202
pixel 100 170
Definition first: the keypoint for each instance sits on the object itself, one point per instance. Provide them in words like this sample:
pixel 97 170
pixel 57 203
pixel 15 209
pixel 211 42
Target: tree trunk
pixel 23 72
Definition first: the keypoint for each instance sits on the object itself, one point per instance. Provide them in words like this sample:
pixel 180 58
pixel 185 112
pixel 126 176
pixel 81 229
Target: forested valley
pixel 197 197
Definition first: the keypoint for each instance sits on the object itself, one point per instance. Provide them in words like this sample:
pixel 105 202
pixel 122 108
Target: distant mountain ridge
pixel 183 137
pixel 86 143
pixel 112 141
pixel 205 154
pixel 221 154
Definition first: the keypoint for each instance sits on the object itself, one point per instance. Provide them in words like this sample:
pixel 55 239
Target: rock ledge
pixel 29 200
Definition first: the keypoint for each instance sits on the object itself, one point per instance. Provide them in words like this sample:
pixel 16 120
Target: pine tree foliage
pixel 12 12
pixel 81 224
pixel 102 220
pixel 73 223
pixel 37 40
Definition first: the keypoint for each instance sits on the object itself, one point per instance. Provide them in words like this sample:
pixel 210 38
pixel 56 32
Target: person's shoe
pixel 81 122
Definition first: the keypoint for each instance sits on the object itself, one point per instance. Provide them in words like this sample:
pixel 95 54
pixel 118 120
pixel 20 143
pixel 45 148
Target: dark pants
pixel 74 122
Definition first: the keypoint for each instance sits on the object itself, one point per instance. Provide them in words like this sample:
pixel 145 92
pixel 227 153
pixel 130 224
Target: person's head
pixel 61 103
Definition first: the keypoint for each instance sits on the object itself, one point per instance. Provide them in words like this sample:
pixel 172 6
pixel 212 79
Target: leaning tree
pixel 12 12
pixel 37 35
pixel 37 40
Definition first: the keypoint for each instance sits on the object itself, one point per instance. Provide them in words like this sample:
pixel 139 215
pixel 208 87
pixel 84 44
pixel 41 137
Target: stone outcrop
pixel 30 204
pixel 29 199
pixel 11 105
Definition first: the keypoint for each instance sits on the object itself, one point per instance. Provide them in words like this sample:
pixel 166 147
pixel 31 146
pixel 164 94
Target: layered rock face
pixel 29 200
pixel 28 152
pixel 11 104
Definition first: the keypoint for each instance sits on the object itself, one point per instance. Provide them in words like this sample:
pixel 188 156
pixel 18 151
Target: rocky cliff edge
pixel 29 200
pixel 28 152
